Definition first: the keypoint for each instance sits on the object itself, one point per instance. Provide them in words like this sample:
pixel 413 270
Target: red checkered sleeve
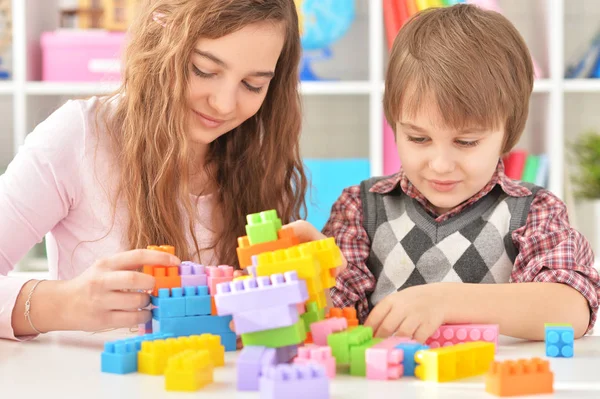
pixel 551 251
pixel 346 225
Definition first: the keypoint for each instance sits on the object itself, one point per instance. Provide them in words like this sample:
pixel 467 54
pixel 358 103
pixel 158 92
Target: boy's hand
pixel 415 312
pixel 307 232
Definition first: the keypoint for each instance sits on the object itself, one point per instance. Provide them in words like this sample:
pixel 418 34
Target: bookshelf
pixel 343 116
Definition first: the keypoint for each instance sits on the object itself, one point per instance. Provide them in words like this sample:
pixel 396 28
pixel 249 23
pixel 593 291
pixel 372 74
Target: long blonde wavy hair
pixel 256 166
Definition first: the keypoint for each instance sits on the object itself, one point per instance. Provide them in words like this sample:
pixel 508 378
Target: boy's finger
pixel 305 231
pixel 378 315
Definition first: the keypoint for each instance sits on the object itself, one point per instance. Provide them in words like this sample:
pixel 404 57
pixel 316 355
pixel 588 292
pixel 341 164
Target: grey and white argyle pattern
pixel 409 248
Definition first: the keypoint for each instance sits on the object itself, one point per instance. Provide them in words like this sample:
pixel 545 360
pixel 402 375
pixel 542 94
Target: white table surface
pixel 67 365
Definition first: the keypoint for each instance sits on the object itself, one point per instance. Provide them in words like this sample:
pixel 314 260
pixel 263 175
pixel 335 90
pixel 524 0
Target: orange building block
pixel 347 313
pixel 521 377
pixel 163 248
pixel 165 276
pixel 213 306
pixel 245 251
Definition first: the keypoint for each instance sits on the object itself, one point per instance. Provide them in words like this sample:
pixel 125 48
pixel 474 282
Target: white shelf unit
pixel 356 98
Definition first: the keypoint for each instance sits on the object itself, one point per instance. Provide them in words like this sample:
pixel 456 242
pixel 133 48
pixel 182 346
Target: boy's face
pixel 447 166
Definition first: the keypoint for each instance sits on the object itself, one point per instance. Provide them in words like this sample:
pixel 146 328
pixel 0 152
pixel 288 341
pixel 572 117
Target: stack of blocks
pixel 182 300
pixel 274 308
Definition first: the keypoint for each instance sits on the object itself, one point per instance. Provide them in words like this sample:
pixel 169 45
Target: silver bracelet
pixel 28 307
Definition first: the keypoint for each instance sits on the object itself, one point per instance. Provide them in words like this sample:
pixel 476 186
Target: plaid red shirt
pixel 550 250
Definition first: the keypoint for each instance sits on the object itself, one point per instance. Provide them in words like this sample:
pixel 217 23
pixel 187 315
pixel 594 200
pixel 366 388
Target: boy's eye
pixel 417 140
pixel 464 143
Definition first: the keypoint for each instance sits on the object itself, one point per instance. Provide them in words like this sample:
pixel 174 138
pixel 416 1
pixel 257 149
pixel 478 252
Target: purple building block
pixel 192 274
pixel 249 366
pixel 294 381
pixel 260 293
pixel 285 354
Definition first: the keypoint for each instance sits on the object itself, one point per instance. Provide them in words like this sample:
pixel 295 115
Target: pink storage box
pixel 81 56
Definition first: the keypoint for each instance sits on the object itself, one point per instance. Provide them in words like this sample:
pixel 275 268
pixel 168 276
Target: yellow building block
pixel 188 371
pixel 328 255
pixel 454 362
pixel 154 355
pixel 291 259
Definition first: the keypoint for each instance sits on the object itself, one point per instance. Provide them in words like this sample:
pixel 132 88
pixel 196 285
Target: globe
pixel 322 23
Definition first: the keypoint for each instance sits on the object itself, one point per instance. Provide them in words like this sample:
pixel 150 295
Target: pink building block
pixel 384 364
pixel 452 334
pixel 321 329
pixel 393 342
pixel 217 275
pixel 317 354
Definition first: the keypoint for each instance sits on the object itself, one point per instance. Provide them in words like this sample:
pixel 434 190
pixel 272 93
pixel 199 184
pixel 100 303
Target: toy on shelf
pixel 322 23
pixel 5 34
pixel 112 15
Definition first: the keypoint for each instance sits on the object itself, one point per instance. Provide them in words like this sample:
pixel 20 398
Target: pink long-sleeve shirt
pixel 60 185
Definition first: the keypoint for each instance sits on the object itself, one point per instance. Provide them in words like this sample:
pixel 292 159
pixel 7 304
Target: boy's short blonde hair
pixel 473 62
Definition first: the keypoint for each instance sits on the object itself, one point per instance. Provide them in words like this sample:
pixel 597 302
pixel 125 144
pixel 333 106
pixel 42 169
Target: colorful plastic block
pixel 188 371
pixel 213 307
pixel 262 303
pixel 347 313
pixel 120 357
pixel 276 338
pixel 454 362
pixel 559 340
pixel 409 349
pixel 218 275
pixel 341 342
pixel 163 248
pixel 245 251
pixel 358 351
pixel 229 340
pixel 195 325
pixel 521 377
pixel 329 256
pixel 145 328
pixel 168 303
pixel 294 381
pixel 319 355
pixel 312 314
pixel 321 329
pixel 153 356
pixel 192 274
pixel 452 334
pixel 262 227
pixel 165 277
pixel 250 363
pixel 383 361
pixel 285 354
pixel 197 301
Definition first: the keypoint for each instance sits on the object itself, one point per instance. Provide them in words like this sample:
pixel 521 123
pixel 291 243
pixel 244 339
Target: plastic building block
pixel 559 340
pixel 197 301
pixel 250 363
pixel 153 356
pixel 252 269
pixel 195 325
pixel 319 355
pixel 521 377
pixel 409 349
pixel 192 274
pixel 312 314
pixel 213 306
pixel 188 371
pixel 262 227
pixel 262 303
pixel 383 361
pixel 218 275
pixel 294 381
pixel 454 362
pixel 329 256
pixel 145 328
pixel 341 342
pixel 393 342
pixel 165 277
pixel 169 303
pixel 245 251
pixel 358 364
pixel 452 334
pixel 276 338
pixel 348 313
pixel 321 329
pixel 285 354
pixel 163 248
pixel 120 357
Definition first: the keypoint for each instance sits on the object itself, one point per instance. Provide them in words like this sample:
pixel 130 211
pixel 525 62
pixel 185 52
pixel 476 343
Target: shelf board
pixel 335 87
pixel 542 86
pixel 66 88
pixel 581 85
pixel 6 87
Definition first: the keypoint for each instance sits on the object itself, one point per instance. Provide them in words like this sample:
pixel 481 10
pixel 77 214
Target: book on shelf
pixel 526 167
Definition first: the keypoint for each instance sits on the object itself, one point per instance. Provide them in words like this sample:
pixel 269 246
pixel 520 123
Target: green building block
pixel 262 227
pixel 358 364
pixel 312 315
pixel 341 342
pixel 557 325
pixel 277 337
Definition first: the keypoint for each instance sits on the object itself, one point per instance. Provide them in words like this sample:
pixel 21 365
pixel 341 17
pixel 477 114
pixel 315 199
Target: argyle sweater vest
pixel 409 248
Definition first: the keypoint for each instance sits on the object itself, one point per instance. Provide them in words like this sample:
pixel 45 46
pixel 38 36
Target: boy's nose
pixel 442 164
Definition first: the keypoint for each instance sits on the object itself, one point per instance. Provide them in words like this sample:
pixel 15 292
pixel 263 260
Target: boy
pixel 443 240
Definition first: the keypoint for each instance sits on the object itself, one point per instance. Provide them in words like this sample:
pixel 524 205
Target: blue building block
pixel 197 301
pixel 559 340
pixel 170 303
pixel 410 349
pixel 120 357
pixel 194 325
pixel 228 340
